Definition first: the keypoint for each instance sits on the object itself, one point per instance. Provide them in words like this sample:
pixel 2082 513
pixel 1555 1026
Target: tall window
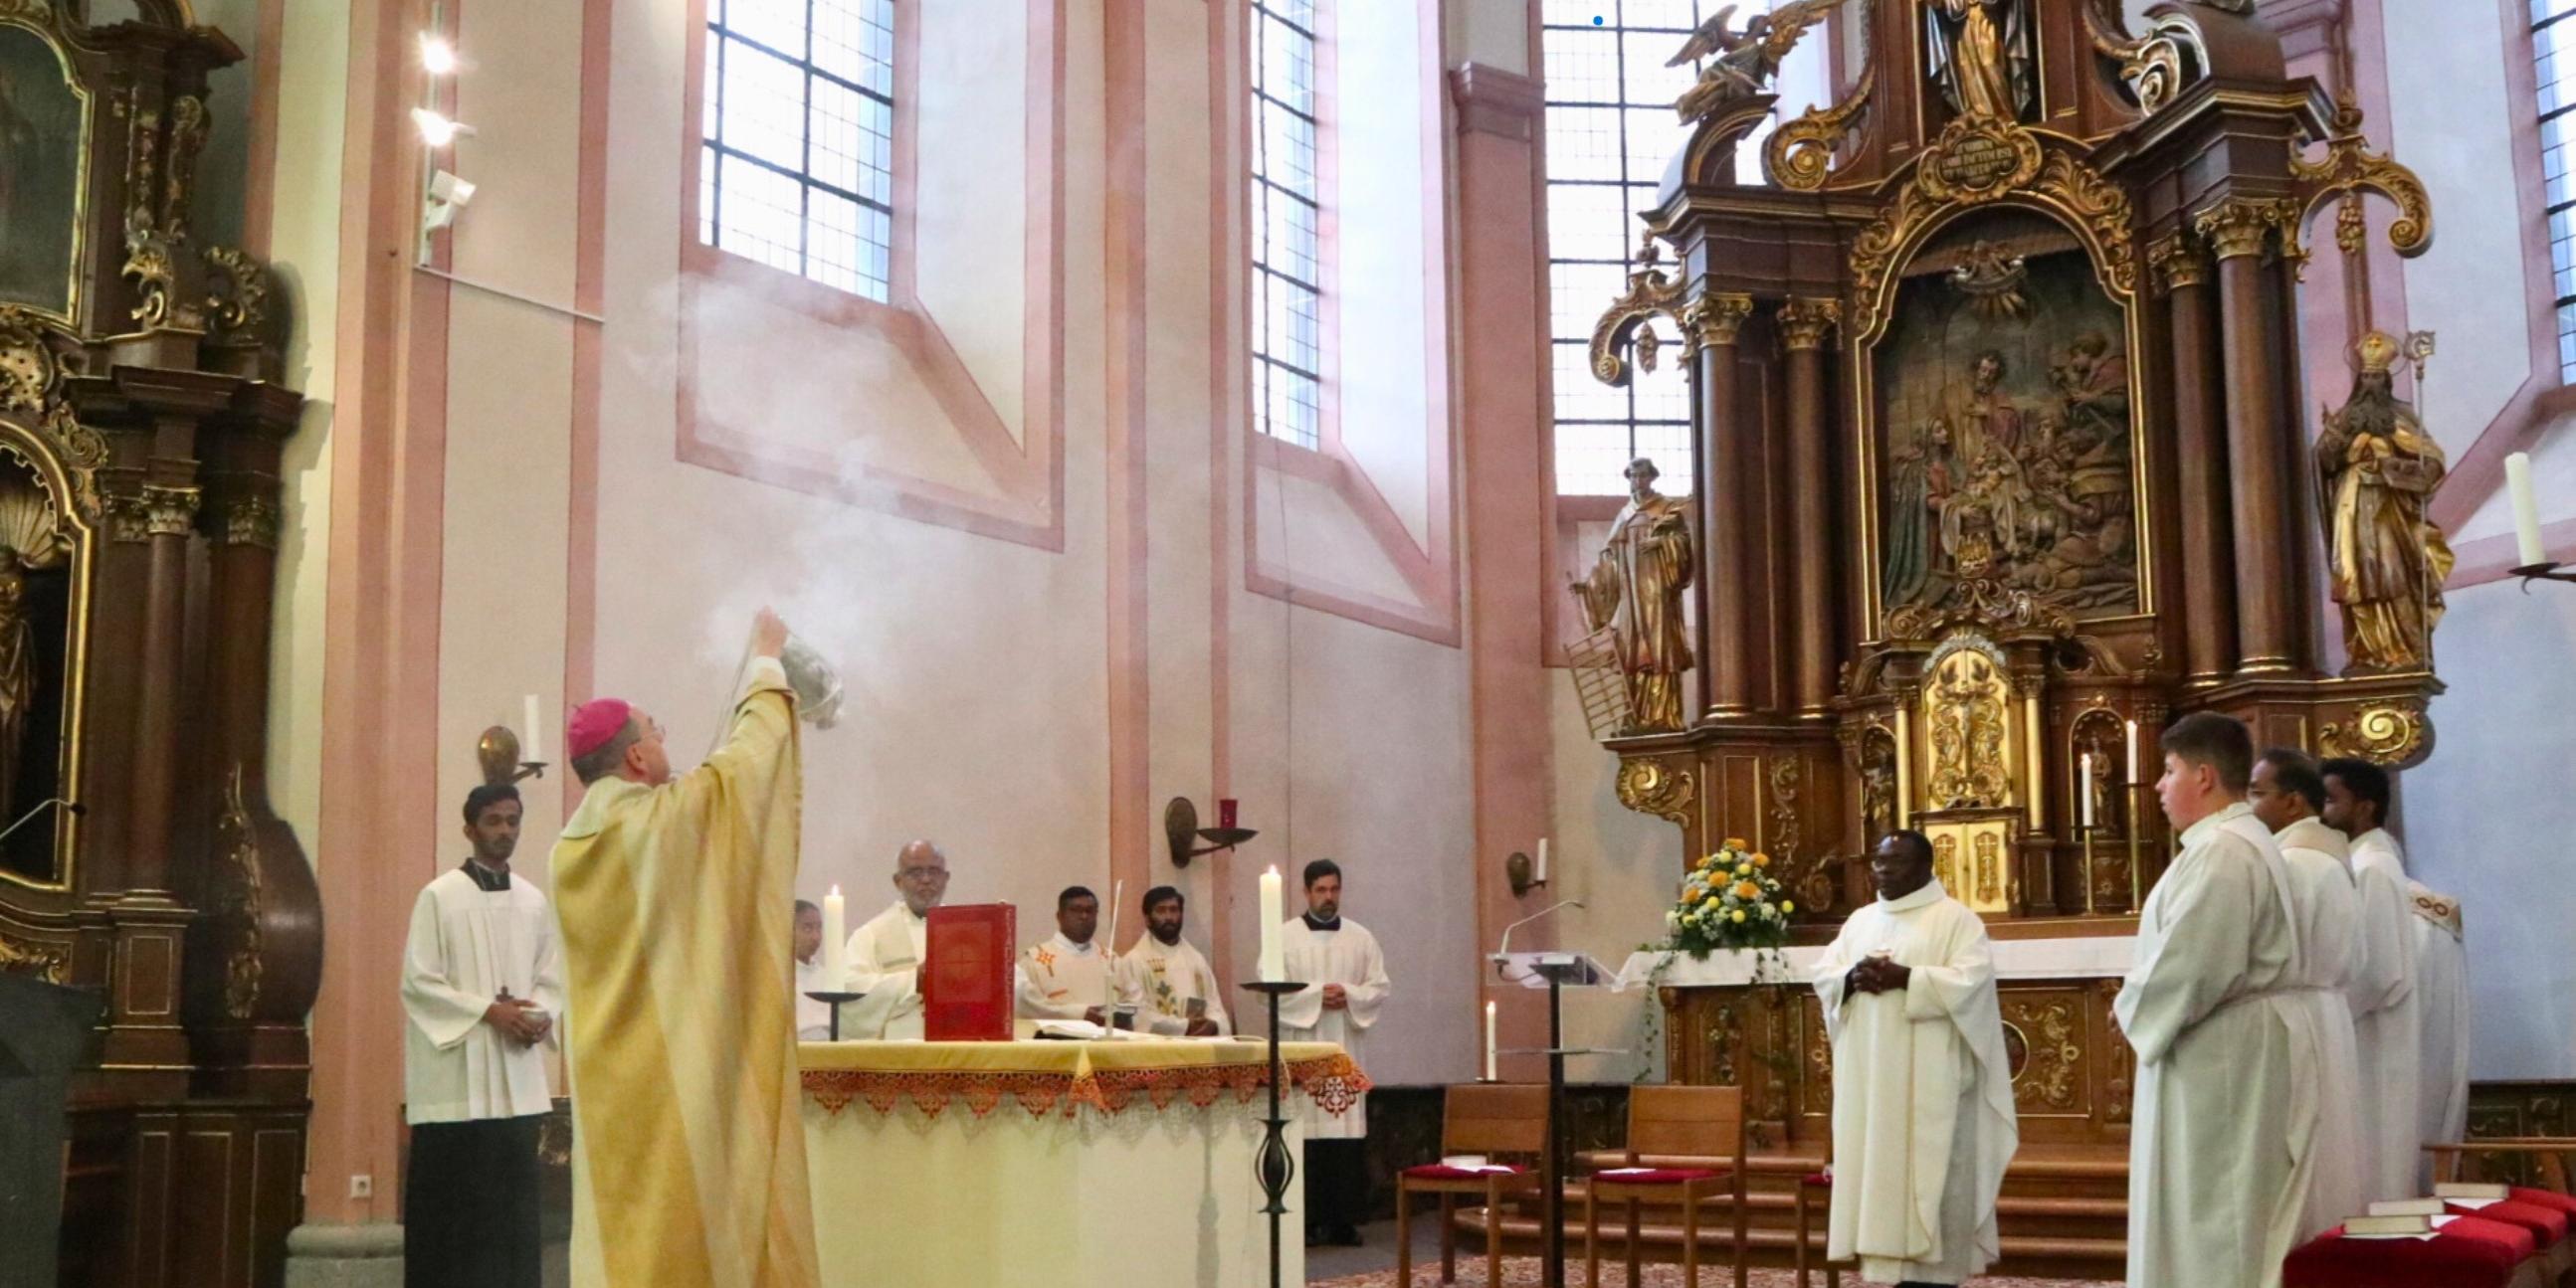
pixel 1287 252
pixel 1611 131
pixel 2553 35
pixel 797 167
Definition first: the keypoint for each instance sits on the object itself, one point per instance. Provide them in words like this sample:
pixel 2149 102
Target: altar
pixel 1000 1164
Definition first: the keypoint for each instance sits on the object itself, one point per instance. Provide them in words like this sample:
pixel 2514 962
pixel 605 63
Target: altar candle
pixel 835 950
pixel 2133 753
pixel 1489 1042
pixel 2526 512
pixel 2084 788
pixel 1273 966
pixel 1541 878
pixel 528 740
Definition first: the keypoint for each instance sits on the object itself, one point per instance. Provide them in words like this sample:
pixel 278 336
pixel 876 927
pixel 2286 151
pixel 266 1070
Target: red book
pixel 968 996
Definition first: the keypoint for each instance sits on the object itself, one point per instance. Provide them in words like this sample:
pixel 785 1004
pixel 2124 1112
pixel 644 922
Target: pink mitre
pixel 593 723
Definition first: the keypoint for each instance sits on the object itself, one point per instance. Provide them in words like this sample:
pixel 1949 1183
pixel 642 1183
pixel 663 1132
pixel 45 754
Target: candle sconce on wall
pixel 1181 828
pixel 498 752
pixel 1524 875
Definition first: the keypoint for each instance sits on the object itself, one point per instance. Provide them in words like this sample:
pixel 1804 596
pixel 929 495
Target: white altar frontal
pixel 1052 1164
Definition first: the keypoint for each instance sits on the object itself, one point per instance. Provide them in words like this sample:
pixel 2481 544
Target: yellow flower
pixel 1786 906
pixel 1748 890
pixel 1761 860
pixel 1732 843
pixel 1708 864
pixel 1739 914
pixel 1709 902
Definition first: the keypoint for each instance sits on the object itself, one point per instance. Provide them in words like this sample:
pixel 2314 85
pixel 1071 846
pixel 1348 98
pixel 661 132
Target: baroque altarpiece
pixel 1997 390
pixel 141 424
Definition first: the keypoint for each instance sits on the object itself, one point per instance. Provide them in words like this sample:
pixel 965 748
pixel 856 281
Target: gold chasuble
pixel 676 904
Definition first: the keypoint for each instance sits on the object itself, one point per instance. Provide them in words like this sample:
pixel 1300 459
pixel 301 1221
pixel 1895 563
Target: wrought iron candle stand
pixel 834 1001
pixel 1273 1164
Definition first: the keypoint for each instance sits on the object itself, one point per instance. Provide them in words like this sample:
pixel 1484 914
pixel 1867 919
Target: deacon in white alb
pixel 482 983
pixel 1923 1101
pixel 886 953
pixel 813 1019
pixel 2442 993
pixel 1066 976
pixel 1338 960
pixel 1166 980
pixel 2387 1026
pixel 2222 1136
pixel 2287 793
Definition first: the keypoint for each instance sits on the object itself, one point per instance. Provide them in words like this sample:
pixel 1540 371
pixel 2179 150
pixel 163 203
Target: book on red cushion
pixel 966 995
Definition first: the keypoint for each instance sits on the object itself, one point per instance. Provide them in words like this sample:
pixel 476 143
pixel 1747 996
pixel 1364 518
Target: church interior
pixel 1592 470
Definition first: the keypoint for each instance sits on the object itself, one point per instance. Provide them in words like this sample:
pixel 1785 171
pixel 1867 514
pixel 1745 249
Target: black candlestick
pixel 1273 1164
pixel 835 1000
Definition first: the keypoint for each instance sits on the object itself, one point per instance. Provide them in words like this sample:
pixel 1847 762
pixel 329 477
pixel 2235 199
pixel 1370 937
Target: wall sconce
pixel 1181 828
pixel 498 753
pixel 1524 875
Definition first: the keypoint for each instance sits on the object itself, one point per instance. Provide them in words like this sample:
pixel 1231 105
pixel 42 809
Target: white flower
pixel 1672 918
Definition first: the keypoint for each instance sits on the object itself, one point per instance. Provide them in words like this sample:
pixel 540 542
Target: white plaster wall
pixel 2553 490
pixel 1493 32
pixel 1625 866
pixel 1384 286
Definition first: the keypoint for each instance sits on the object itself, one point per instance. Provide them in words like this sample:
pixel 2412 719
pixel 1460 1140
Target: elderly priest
pixel 1923 1103
pixel 2222 1138
pixel 885 955
pixel 675 897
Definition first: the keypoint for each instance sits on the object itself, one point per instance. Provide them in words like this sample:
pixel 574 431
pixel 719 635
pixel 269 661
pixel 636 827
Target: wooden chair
pixel 1476 1118
pixel 2548 1155
pixel 1814 1188
pixel 1700 1131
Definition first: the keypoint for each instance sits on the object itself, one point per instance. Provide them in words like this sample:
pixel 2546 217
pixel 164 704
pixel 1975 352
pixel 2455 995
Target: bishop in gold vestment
pixel 674 896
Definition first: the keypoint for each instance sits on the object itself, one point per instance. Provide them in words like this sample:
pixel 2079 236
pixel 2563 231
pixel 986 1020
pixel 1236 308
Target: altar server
pixel 2442 991
pixel 2287 793
pixel 885 955
pixel 688 1149
pixel 2222 1137
pixel 1066 976
pixel 1345 974
pixel 1923 1101
pixel 2387 1026
pixel 813 1019
pixel 1166 980
pixel 482 982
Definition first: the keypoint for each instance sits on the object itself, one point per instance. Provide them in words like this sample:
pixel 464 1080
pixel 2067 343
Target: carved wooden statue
pixel 1981 55
pixel 1635 592
pixel 2386 558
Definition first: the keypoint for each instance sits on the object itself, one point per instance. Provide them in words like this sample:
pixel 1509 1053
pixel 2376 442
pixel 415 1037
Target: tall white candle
pixel 835 949
pixel 2084 787
pixel 1489 1040
pixel 2526 512
pixel 1541 878
pixel 528 737
pixel 1273 967
pixel 2132 779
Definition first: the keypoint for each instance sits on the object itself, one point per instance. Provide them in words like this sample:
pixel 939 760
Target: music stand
pixel 1555 971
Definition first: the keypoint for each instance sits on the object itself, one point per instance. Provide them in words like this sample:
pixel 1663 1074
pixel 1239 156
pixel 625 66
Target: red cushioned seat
pixel 1657 1175
pixel 1444 1172
pixel 2543 1198
pixel 2548 1225
pixel 2466 1252
pixel 1817 1180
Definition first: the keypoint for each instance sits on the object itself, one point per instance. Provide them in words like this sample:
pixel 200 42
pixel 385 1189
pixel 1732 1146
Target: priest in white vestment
pixel 2287 793
pixel 1066 976
pixel 1165 979
pixel 2222 1136
pixel 1923 1103
pixel 2387 1026
pixel 813 1019
pixel 482 983
pixel 2442 995
pixel 1338 960
pixel 886 952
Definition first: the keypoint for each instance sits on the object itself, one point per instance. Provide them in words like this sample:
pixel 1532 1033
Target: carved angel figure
pixel 1742 63
pixel 2386 559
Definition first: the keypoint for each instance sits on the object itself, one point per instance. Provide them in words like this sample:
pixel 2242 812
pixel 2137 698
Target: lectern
pixel 45 1030
pixel 1556 971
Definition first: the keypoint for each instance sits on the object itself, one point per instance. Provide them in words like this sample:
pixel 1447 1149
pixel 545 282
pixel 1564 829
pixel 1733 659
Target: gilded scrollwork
pixel 1968 716
pixel 169 511
pixel 2350 168
pixel 251 521
pixel 2178 262
pixel 1786 773
pixel 1653 787
pixel 31 375
pixel 2119 1085
pixel 1804 323
pixel 2053 1077
pixel 2242 226
pixel 1800 154
pixel 1652 293
pixel 49 962
pixel 1714 319
pixel 237 309
pixel 238 901
pixel 2391 734
pixel 127 516
pixel 187 137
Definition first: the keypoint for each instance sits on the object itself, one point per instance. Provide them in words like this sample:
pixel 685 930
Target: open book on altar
pixel 966 993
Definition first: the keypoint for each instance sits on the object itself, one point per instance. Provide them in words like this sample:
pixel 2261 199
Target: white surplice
pixel 2386 1026
pixel 2321 887
pixel 2442 999
pixel 2221 1139
pixel 813 1019
pixel 467 946
pixel 884 962
pixel 1923 1103
pixel 1159 980
pixel 1058 979
pixel 1347 956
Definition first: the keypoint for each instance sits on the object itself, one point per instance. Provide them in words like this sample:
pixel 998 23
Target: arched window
pixel 796 169
pixel 1287 236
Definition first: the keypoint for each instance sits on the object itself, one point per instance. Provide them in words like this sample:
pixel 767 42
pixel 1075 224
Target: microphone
pixel 30 816
pixel 1506 948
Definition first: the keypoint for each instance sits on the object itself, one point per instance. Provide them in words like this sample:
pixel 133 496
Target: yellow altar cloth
pixel 1052 1164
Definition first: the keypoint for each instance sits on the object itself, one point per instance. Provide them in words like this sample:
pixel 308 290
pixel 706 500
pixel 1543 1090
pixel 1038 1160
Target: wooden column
pixel 1804 324
pixel 2267 633
pixel 169 515
pixel 1727 443
pixel 2200 465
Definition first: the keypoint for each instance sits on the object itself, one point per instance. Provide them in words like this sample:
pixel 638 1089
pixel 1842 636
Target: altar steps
pixel 2064 1214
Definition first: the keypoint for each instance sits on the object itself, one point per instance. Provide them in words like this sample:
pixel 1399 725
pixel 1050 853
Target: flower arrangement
pixel 1730 901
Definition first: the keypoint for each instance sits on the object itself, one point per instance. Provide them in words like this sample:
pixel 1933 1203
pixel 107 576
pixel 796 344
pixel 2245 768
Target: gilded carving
pixel 49 962
pixel 238 308
pixel 2392 734
pixel 2118 1086
pixel 187 136
pixel 1800 154
pixel 127 516
pixel 31 373
pixel 2348 169
pixel 1634 593
pixel 2242 226
pixel 2386 559
pixel 1819 1075
pixel 1804 323
pixel 2053 1077
pixel 1945 861
pixel 169 511
pixel 1990 869
pixel 2178 263
pixel 238 901
pixel 2155 67
pixel 1652 787
pixel 1967 710
pixel 1652 293
pixel 1877 784
pixel 1783 841
pixel 1742 63
pixel 1713 319
pixel 251 521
